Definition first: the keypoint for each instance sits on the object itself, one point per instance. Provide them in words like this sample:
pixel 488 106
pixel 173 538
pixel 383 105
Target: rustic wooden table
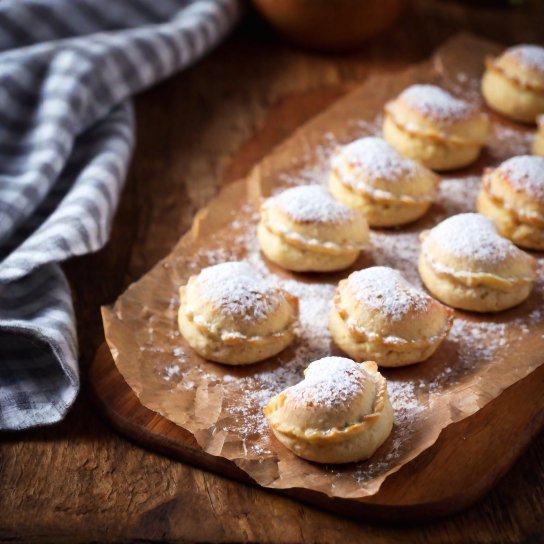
pixel 78 481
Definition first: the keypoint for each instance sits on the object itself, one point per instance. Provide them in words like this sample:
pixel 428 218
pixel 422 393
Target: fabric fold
pixel 67 71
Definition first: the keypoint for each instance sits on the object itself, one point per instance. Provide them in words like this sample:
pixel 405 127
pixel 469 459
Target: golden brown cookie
pixel 428 124
pixel 229 315
pixel 513 83
pixel 339 413
pixel 389 189
pixel 378 315
pixel 304 229
pixel 512 196
pixel 466 264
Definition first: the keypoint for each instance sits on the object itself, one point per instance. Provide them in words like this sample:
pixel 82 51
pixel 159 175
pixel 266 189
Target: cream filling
pixel 419 132
pixel 349 180
pixel 475 279
pixel 233 337
pixel 312 244
pixel 524 215
pixel 395 343
pixel 515 79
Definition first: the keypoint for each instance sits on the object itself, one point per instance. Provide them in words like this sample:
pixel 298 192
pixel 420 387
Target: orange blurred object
pixel 330 25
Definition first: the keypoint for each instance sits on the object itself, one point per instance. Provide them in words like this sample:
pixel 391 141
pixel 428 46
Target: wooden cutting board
pixel 465 462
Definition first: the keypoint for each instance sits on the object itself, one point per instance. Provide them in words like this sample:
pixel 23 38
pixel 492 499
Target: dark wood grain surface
pixel 80 482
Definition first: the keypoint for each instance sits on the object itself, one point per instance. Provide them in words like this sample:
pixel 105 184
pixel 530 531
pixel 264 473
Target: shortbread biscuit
pixel 339 413
pixel 378 315
pixel 389 189
pixel 513 83
pixel 305 230
pixel 229 315
pixel 428 124
pixel 512 196
pixel 466 264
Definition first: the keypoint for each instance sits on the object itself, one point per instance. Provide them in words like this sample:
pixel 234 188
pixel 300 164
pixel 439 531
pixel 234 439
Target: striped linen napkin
pixel 67 71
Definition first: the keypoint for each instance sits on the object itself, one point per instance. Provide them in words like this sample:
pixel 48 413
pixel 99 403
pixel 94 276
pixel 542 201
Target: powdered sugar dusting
pixel 311 204
pixel 330 382
pixel 385 290
pixel 316 164
pixel 437 103
pixel 171 372
pixel 519 141
pixel 235 289
pixel 374 159
pixel 471 236
pixel 529 56
pixel 526 175
pixel 407 407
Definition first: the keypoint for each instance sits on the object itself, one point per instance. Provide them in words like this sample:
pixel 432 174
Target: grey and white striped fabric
pixel 67 71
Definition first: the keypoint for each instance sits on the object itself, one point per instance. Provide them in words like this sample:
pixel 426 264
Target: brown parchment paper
pixel 222 406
